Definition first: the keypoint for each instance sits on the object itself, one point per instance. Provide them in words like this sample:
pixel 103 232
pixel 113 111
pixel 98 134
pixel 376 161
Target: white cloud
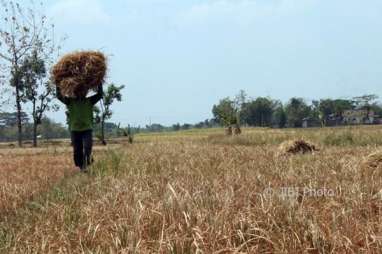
pixel 82 12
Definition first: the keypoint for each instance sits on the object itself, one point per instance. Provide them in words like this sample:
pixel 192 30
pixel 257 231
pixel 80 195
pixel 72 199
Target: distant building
pixel 360 116
pixel 348 117
pixel 334 120
pixel 310 122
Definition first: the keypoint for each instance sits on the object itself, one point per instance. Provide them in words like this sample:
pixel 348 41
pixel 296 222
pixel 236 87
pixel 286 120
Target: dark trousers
pixel 82 142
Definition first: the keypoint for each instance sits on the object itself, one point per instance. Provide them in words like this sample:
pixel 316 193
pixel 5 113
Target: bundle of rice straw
pixel 296 147
pixel 373 162
pixel 78 72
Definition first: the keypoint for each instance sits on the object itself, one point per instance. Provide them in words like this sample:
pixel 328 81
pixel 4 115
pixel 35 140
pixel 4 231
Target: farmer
pixel 80 120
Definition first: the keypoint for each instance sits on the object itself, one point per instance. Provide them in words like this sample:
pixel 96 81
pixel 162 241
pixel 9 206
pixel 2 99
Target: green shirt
pixel 80 114
pixel 80 111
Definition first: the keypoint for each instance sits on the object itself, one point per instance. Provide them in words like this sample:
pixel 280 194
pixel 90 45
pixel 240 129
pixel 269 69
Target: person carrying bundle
pixel 75 74
pixel 80 116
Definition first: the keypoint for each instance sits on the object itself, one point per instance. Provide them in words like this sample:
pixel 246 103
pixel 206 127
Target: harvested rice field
pixel 198 191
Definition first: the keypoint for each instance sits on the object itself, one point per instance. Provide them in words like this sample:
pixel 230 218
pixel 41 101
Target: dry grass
pixel 372 165
pixel 336 136
pixel 195 196
pixel 25 174
pixel 76 73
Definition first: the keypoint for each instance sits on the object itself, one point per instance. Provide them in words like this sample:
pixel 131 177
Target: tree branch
pixel 5 57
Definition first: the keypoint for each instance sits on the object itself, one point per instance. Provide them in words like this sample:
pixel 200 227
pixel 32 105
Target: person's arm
pixel 60 97
pixel 97 97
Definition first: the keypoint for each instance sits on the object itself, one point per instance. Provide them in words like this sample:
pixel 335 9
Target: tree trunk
pixel 34 133
pixel 103 131
pixel 35 122
pixel 19 121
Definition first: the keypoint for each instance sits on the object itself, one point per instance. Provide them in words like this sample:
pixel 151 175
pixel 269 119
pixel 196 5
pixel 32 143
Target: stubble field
pixel 196 192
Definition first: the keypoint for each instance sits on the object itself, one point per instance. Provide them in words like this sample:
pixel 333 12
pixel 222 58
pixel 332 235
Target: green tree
pixel 296 110
pixel 340 105
pixel 326 108
pixel 366 102
pixel 38 89
pixel 377 108
pixel 239 101
pixel 21 30
pixel 176 127
pixel 112 94
pixel 225 112
pixel 315 110
pixel 335 107
pixel 258 112
pixel 155 127
pixel 279 117
pixel 52 130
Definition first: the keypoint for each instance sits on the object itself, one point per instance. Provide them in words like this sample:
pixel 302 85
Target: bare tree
pixel 22 29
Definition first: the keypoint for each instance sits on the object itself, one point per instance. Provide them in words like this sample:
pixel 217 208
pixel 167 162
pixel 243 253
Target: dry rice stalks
pixel 372 163
pixel 77 73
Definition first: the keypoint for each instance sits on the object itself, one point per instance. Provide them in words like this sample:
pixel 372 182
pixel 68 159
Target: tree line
pixel 268 112
pixel 49 129
pixel 242 110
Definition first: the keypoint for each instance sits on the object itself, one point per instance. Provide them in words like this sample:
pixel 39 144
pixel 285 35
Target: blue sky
pixel 179 57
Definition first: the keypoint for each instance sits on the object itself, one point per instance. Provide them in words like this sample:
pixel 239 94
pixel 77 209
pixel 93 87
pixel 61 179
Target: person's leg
pixel 77 143
pixel 88 146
